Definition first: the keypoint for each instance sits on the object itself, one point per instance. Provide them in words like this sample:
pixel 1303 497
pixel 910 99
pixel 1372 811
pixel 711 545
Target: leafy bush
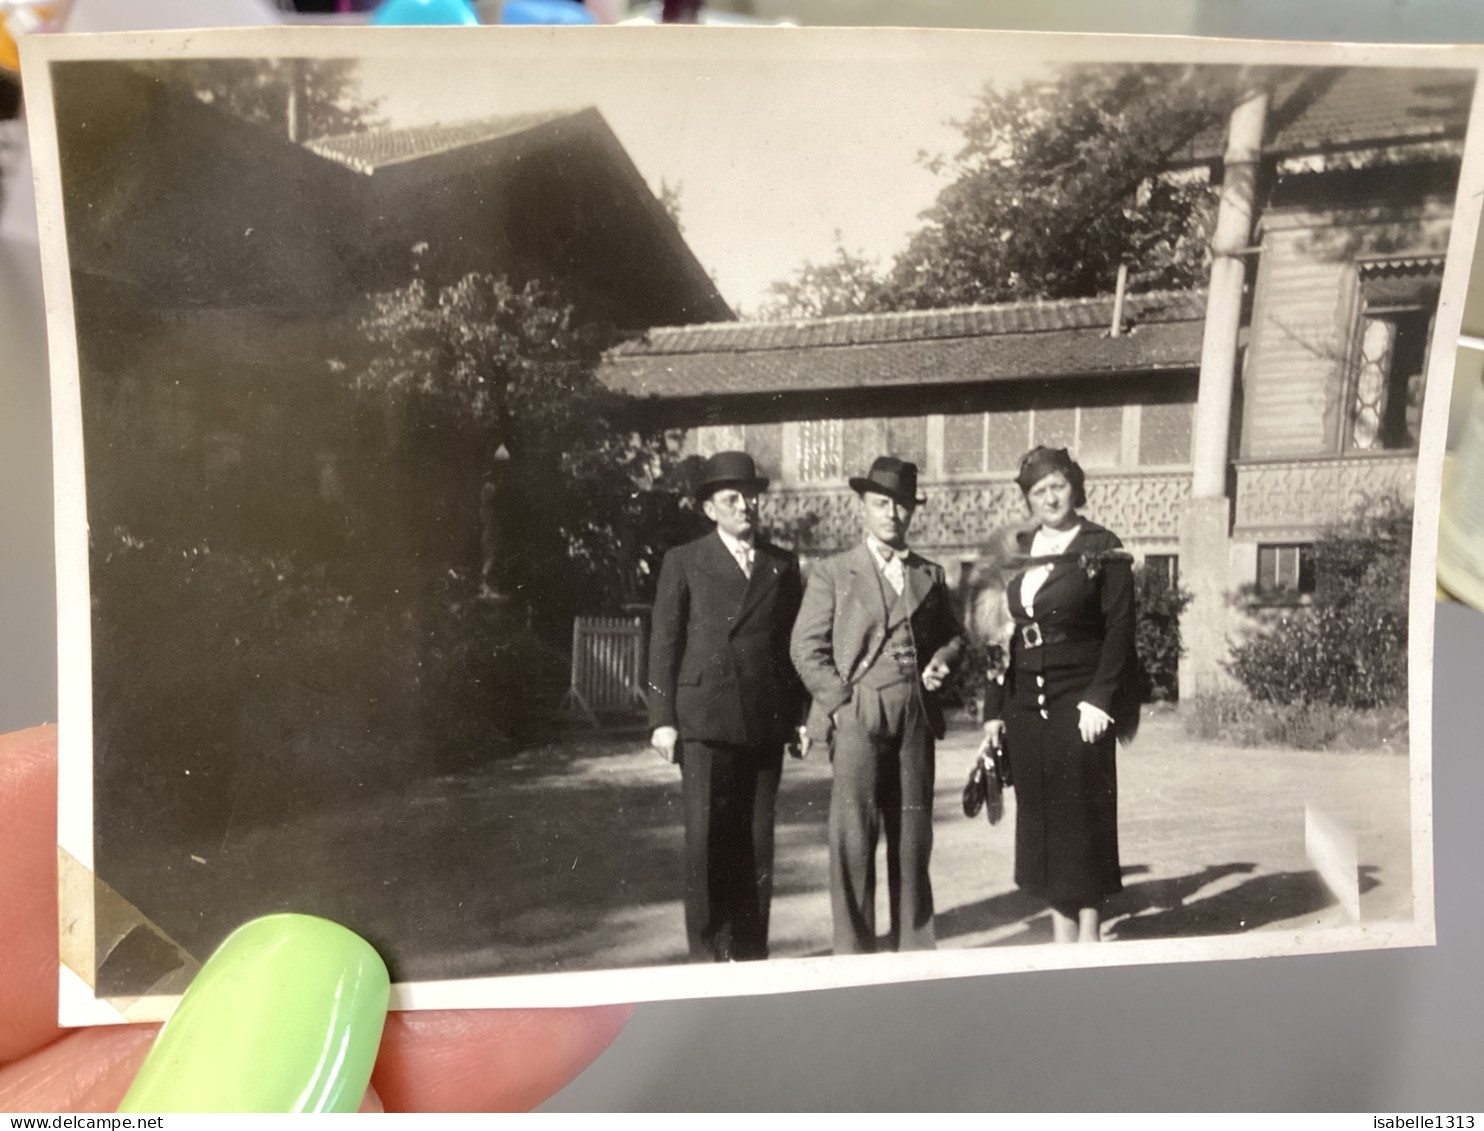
pixel 234 689
pixel 975 663
pixel 494 383
pixel 1348 647
pixel 1157 634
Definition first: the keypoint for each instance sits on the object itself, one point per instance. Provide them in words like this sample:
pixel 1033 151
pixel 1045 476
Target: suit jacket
pixel 718 648
pixel 1102 607
pixel 843 625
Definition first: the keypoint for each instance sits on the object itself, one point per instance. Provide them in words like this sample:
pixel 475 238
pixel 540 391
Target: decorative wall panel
pixel 959 517
pixel 1295 498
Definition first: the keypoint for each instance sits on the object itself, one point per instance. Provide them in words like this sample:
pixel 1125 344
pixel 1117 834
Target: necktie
pixel 896 576
pixel 744 559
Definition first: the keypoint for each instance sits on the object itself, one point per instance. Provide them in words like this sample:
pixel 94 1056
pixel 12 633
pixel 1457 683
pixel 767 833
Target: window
pixel 963 443
pixel 1386 410
pixel 820 450
pixel 837 449
pixel 1164 434
pixel 1164 566
pixel 764 443
pixel 1285 571
pixel 977 442
pixel 906 438
pixel 1099 436
pixel 864 440
pixel 980 443
pixel 1007 439
pixel 709 439
pixel 1054 427
pixel 1400 296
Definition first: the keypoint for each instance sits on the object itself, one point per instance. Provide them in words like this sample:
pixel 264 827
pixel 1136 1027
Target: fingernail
pixel 286 1016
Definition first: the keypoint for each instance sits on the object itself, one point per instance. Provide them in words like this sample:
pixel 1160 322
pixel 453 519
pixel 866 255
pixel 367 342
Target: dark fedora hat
pixel 728 469
pixel 895 478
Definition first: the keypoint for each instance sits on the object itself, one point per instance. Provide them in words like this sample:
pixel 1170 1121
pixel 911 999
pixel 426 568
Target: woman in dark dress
pixel 1064 696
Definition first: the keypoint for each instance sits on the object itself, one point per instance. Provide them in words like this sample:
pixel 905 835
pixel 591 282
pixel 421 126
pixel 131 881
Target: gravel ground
pixel 568 857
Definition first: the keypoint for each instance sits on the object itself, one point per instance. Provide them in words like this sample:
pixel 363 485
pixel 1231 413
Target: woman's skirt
pixel 1066 793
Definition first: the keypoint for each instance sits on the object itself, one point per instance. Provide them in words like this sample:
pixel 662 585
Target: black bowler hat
pixel 892 477
pixel 728 469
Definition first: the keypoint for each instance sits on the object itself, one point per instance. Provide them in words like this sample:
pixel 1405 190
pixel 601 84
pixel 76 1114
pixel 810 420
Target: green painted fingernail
pixel 285 1016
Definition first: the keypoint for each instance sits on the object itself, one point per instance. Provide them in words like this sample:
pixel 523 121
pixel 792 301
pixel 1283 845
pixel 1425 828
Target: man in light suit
pixel 875 640
pixel 724 702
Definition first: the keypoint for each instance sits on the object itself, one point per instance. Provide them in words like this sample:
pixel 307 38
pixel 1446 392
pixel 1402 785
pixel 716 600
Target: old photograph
pixel 657 513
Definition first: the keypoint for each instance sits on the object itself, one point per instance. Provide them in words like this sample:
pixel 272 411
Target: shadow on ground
pixel 1161 909
pixel 1252 904
pixel 510 867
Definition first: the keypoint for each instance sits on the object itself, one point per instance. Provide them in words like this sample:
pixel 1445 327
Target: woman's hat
pixel 1041 461
pixel 728 469
pixel 895 478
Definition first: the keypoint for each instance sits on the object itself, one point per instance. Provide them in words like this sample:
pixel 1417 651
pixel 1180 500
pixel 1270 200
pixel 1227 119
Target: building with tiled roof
pixel 222 272
pixel 370 151
pixel 1331 111
pixel 1336 288
pixel 921 349
pixel 243 214
pixel 814 400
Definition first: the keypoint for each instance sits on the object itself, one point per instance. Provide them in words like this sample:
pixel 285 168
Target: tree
pixel 1063 179
pixel 329 98
pixel 846 284
pixel 669 198
pixel 1059 182
pixel 484 365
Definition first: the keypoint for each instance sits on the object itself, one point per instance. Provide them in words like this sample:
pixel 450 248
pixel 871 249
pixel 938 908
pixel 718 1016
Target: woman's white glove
pixel 1092 722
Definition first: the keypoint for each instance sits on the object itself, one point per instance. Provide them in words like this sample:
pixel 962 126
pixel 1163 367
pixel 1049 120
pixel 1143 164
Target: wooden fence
pixel 609 658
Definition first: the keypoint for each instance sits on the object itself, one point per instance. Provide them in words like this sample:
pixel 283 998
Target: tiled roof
pixel 1337 108
pixel 970 344
pixel 374 149
pixel 919 325
pixel 1366 105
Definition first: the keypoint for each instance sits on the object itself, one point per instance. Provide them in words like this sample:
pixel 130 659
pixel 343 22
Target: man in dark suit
pixel 724 702
pixel 875 640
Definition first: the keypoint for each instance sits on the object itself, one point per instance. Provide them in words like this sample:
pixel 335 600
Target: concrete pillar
pixel 1206 520
pixel 1205 527
pixel 1229 242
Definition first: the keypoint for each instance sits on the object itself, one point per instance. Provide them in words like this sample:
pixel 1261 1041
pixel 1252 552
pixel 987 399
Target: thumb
pixel 286 1016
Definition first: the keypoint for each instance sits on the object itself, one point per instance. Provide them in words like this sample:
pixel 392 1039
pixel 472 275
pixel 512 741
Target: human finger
pixel 86 1071
pixel 28 891
pixel 488 1060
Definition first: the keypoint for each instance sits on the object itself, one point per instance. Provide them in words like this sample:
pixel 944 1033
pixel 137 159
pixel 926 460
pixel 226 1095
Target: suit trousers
pixel 730 793
pixel 883 782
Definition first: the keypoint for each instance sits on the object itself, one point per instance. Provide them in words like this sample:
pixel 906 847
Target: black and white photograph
pixel 654 513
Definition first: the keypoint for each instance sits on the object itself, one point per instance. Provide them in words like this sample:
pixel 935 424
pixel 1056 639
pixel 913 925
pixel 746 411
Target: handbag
pixel 985 788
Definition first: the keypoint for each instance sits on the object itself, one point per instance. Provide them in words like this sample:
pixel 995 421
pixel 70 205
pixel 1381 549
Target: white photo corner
pixel 397 383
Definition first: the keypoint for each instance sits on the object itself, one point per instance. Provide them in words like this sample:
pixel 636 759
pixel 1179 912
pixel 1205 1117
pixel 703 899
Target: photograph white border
pixel 800 46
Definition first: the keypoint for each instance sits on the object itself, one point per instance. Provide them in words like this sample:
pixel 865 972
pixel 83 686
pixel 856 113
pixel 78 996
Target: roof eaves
pixel 518 124
pixel 1054 316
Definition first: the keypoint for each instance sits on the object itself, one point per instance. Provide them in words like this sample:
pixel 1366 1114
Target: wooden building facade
pixel 963 393
pixel 1221 429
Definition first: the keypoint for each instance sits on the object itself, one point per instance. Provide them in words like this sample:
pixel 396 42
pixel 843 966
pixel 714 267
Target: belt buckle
pixel 1030 635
